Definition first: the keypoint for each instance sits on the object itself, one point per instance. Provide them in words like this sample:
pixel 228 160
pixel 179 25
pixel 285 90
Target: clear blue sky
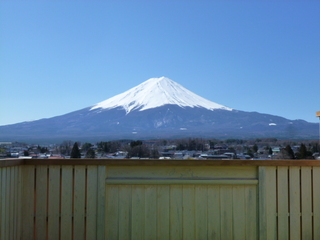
pixel 61 56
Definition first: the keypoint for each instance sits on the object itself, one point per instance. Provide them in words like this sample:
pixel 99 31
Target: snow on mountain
pixel 157 92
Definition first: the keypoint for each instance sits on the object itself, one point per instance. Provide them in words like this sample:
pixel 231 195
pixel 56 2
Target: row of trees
pixel 302 153
pixel 135 149
pixel 76 153
pixel 149 149
pixel 72 149
pixel 140 150
pixel 196 144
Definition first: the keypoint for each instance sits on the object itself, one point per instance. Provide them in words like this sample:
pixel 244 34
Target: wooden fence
pixel 159 199
pixel 64 202
pixel 10 202
pixel 289 198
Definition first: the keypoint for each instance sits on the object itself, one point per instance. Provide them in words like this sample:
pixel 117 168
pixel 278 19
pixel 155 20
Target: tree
pixel 164 142
pixel 154 153
pixel 303 152
pixel 135 143
pixel 140 151
pixel 286 153
pixel 255 148
pixel 290 152
pixel 315 147
pixel 192 145
pixel 85 147
pixel 65 147
pixel 90 153
pixel 111 146
pixel 42 149
pixel 75 152
pixel 103 146
pixel 270 151
pixel 211 143
pixel 114 146
pixel 250 153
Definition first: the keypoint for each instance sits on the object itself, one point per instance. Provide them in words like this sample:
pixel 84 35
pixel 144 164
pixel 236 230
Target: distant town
pixel 187 148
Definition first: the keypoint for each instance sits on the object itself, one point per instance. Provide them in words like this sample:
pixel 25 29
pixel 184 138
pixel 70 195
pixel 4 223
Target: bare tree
pixel 66 147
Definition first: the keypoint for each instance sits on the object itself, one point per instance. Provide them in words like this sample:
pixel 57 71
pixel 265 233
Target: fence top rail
pixel 10 162
pixel 156 162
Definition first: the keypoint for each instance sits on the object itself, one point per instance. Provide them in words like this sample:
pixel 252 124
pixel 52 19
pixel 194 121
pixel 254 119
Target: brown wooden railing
pixel 159 199
pixel 10 202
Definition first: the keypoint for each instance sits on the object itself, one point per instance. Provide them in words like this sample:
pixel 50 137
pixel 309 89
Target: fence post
pixel 101 201
pixel 267 203
pixel 27 202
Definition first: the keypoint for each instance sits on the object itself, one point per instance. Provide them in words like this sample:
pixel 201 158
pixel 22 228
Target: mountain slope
pixel 157 92
pixel 157 108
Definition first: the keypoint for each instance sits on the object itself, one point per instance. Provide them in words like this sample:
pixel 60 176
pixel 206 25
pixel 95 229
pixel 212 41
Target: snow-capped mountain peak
pixel 157 92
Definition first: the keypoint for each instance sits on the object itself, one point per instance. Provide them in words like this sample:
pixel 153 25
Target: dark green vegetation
pixel 75 152
pixel 259 148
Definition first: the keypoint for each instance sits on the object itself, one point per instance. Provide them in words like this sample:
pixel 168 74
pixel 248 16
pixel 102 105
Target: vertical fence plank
pixel 175 212
pixel 15 190
pixel 125 212
pixel 16 200
pixel 239 213
pixel 214 212
pixel 8 204
pixel 41 202
pixel 28 194
pixel 251 218
pixel 150 226
pixel 283 224
pixel 201 212
pixel 54 203
pixel 163 206
pixel 66 202
pixel 226 212
pixel 79 202
pixel 294 196
pixel 267 203
pixel 262 171
pixel 316 202
pixel 2 201
pixel 101 203
pixel 188 216
pixel 19 197
pixel 92 191
pixel 6 232
pixel 306 204
pixel 112 217
pixel 11 202
pixel 138 212
pixel 271 203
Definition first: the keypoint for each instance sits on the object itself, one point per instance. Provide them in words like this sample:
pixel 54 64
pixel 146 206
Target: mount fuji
pixel 157 92
pixel 157 108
